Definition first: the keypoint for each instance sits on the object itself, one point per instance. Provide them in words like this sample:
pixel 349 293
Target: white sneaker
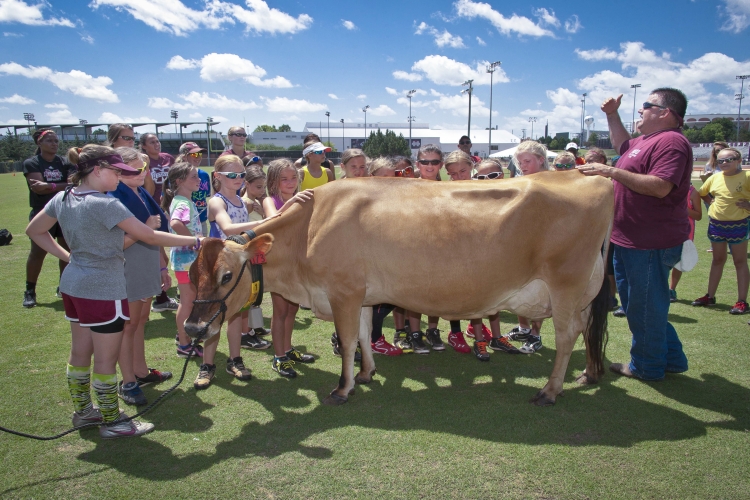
pixel 170 305
pixel 93 416
pixel 128 428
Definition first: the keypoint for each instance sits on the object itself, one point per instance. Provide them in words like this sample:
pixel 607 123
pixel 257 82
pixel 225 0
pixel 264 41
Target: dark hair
pixel 464 137
pixel 114 131
pixel 177 172
pixel 311 138
pixel 398 159
pixel 429 148
pixel 145 137
pixel 38 133
pixel 84 155
pixel 673 99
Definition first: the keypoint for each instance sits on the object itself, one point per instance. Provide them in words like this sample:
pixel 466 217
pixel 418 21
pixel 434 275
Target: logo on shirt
pixel 634 153
pixel 158 174
pixel 52 175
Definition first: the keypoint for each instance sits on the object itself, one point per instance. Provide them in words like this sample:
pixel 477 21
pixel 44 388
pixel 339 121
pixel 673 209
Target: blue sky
pixel 274 62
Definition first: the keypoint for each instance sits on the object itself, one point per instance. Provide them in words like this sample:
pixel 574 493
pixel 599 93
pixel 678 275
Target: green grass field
pixel 439 426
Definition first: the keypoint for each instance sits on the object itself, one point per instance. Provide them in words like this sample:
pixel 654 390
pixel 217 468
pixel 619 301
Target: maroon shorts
pixel 90 312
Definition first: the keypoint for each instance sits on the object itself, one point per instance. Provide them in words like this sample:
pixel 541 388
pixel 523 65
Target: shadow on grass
pixel 443 394
pixel 61 480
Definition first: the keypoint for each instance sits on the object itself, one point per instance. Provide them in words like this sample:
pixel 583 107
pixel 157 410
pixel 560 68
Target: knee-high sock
pixel 105 388
pixel 79 385
pixel 455 326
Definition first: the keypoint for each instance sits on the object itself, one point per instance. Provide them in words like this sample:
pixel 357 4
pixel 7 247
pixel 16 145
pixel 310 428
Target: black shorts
pixel 55 231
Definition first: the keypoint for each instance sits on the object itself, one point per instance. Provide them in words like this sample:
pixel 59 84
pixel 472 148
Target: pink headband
pixel 41 136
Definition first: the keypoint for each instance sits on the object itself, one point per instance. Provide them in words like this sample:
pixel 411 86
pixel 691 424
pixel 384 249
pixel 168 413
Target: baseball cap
pixel 571 145
pixel 191 147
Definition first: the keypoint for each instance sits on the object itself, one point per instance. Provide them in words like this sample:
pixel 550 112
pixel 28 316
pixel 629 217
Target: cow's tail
pixel 595 335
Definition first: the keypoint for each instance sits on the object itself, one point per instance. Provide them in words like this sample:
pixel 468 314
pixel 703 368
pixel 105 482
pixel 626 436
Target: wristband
pixel 197 244
pixel 54 186
pixel 163 269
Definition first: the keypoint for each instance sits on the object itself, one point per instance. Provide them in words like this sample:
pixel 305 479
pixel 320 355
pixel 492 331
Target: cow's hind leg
pixel 346 318
pixel 367 368
pixel 566 333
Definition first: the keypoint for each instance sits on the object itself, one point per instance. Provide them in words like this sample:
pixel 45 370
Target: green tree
pixel 266 128
pixel 714 131
pixel 593 138
pixel 263 147
pixel 388 144
pixel 285 128
pixel 693 135
pixel 99 131
pixel 12 148
pixel 556 144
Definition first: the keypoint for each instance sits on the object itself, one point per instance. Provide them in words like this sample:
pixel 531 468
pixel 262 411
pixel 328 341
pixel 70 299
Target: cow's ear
pixel 259 245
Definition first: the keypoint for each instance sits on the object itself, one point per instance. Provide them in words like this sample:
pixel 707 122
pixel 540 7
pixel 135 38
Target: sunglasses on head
pixel 196 155
pixel 233 175
pixel 127 137
pixel 255 159
pixel 238 134
pixel 464 143
pixel 491 175
pixel 429 162
pixel 722 161
pixel 565 166
pixel 404 172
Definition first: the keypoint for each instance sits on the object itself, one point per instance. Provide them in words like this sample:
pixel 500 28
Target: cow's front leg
pixel 367 368
pixel 565 337
pixel 346 318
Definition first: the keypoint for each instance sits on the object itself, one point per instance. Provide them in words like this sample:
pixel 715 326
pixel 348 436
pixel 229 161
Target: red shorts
pixel 90 312
pixel 183 277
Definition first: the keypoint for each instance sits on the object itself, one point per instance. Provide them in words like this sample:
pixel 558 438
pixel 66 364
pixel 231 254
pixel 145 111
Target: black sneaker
pixel 236 368
pixel 298 356
pixel 154 377
pixel 261 331
pixel 518 334
pixel 399 335
pixel 480 351
pixel 337 350
pixel 206 374
pixel 283 366
pixel 432 336
pixel 417 344
pixel 532 344
pixel 404 345
pixel 29 299
pixel 252 341
pixel 502 344
pixel 619 312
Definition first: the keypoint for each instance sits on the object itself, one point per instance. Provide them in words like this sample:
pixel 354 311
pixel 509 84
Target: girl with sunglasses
pixel 227 215
pixel 191 153
pixel 237 139
pixel 565 161
pixel 146 275
pixel 93 284
pixel 314 174
pixel 283 187
pixel 727 225
pixel 488 170
pixel 403 167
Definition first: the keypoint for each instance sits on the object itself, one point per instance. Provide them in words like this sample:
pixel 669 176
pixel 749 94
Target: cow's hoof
pixel 334 400
pixel 586 379
pixel 362 379
pixel 541 399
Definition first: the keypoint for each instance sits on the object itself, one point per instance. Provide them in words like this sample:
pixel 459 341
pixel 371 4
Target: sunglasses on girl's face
pixel 404 172
pixel 429 162
pixel 140 170
pixel 319 152
pixel 722 161
pixel 196 155
pixel 564 166
pixel 491 175
pixel 127 137
pixel 239 135
pixel 233 175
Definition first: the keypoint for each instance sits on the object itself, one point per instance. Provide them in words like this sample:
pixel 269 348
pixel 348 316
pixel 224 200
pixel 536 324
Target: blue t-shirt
pixel 200 197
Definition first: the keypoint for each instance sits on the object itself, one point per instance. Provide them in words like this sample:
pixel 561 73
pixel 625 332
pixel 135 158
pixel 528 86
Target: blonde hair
pixel 351 153
pixel 114 131
pixel 537 149
pixel 565 157
pixel 274 175
pixel 130 154
pixel 489 162
pixel 596 155
pixel 84 155
pixel 177 172
pixel 458 156
pixel 735 151
pixel 234 129
pixel 221 164
pixel 380 163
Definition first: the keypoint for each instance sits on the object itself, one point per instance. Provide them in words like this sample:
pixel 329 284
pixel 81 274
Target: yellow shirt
pixel 309 182
pixel 727 190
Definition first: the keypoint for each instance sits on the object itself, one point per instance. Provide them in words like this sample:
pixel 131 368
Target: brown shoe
pixel 236 368
pixel 205 375
pixel 621 369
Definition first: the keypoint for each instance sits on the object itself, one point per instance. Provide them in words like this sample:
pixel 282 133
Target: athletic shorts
pixel 96 314
pixel 729 231
pixel 55 231
pixel 183 277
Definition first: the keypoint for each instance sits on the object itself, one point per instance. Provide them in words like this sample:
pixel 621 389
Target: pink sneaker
pixel 457 342
pixel 486 331
pixel 470 331
pixel 383 347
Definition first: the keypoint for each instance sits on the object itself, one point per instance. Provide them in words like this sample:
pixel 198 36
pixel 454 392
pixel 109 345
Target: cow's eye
pixel 226 278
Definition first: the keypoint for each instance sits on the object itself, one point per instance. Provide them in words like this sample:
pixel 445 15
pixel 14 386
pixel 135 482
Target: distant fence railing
pixel 7 167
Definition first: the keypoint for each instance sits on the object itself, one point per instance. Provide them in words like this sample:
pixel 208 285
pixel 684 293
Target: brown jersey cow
pixel 535 246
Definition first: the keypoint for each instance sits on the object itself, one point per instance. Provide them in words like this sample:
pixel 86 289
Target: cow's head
pixel 214 273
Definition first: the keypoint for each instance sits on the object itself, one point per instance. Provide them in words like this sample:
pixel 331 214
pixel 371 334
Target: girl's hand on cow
pixel 596 169
pixel 303 196
pixel 611 105
pixel 744 204
pixel 154 222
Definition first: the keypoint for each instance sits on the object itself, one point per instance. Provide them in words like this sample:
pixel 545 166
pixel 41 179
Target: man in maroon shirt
pixel 651 182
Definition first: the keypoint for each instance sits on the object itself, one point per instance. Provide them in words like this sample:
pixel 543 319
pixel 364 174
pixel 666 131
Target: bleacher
pixel 703 151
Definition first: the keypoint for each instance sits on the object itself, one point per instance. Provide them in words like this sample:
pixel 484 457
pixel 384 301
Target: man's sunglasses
pixel 127 137
pixel 430 162
pixel 233 175
pixel 404 172
pixel 565 166
pixel 196 155
pixel 491 175
pixel 647 105
pixel 722 161
pixel 238 135
pixel 464 143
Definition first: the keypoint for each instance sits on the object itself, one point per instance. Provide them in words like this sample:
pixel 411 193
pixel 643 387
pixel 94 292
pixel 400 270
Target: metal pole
pixel 635 90
pixel 742 79
pixel 583 118
pixel 469 91
pixel 532 119
pixel 343 140
pixel 365 111
pixel 410 94
pixel 328 116
pixel 491 70
pixel 208 136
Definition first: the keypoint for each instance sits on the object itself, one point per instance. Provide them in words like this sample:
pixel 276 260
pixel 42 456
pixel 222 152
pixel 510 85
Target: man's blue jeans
pixel 642 283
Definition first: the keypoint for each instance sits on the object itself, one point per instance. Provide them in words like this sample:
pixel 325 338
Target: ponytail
pixel 177 173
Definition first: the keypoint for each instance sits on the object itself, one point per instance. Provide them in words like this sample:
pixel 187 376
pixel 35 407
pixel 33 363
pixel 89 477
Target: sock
pixel 79 385
pixel 105 388
pixel 161 298
pixel 455 326
pixel 31 286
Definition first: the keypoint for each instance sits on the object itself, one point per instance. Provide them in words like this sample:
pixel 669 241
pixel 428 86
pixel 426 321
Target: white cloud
pixel 193 100
pixel 87 38
pixel 441 39
pixel 9 33
pixel 195 116
pixel 381 110
pixel 403 75
pixel 348 24
pixel 391 91
pixel 458 105
pixel 75 81
pixel 17 99
pixel 227 67
pixel 481 42
pixel 736 14
pixel 445 71
pixel 596 55
pixel 573 25
pixel 108 117
pixel 56 106
pixel 62 116
pixel 506 25
pixel 17 11
pixel 333 96
pixel 173 16
pixel 362 97
pixel 285 105
pixel 547 17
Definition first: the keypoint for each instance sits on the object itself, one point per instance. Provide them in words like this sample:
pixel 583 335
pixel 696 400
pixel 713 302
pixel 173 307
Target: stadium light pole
pixel 739 97
pixel 635 90
pixel 468 91
pixel 208 142
pixel 583 114
pixel 343 140
pixel 328 115
pixel 173 115
pixel 409 95
pixel 364 110
pixel 491 70
pixel 83 123
pixel 29 117
pixel 532 119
